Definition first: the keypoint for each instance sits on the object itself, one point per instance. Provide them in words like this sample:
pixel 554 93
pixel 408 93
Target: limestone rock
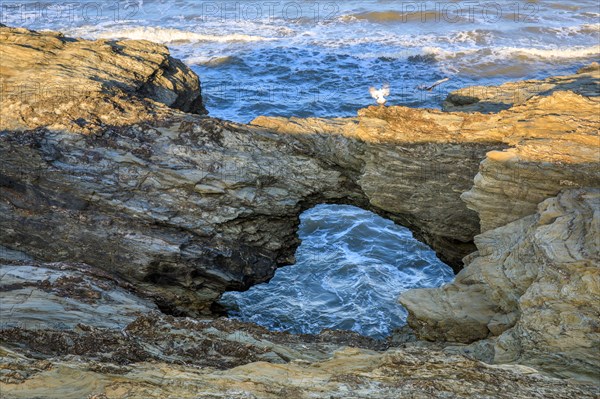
pixel 349 373
pixel 534 282
pixel 188 207
pixel 60 296
pixel 122 347
pixel 550 152
pixel 169 209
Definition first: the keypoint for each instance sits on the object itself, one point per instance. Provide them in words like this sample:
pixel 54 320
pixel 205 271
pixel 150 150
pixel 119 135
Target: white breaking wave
pixel 568 53
pixel 516 52
pixel 170 35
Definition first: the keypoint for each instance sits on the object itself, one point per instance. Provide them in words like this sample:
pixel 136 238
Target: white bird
pixel 381 94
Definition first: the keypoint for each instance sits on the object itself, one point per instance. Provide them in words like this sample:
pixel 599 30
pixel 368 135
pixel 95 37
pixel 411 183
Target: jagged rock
pixel 52 81
pixel 60 296
pixel 114 352
pixel 349 373
pixel 534 282
pixel 555 147
pixel 496 98
pixel 188 207
pixel 184 207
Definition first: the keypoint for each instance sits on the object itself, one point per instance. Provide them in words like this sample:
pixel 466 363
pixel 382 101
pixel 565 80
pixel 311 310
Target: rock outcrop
pixel 187 206
pixel 510 290
pixel 349 373
pixel 52 81
pixel 126 204
pixel 534 284
pixel 497 98
pixel 73 331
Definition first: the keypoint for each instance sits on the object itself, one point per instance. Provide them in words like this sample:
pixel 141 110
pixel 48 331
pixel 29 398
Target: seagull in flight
pixel 381 94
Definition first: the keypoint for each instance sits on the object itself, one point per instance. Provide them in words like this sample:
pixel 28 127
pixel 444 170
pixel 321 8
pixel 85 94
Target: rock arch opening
pixel 350 269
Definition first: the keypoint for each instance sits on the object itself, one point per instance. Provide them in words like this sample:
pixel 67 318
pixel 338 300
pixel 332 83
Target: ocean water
pixel 351 267
pixel 307 58
pixel 319 58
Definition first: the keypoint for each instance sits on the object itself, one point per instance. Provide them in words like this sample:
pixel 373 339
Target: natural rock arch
pixel 209 206
pixel 185 206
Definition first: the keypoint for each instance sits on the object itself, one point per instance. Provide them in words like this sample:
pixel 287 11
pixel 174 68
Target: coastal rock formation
pixel 535 283
pixel 496 98
pixel 349 373
pixel 73 331
pixel 63 309
pixel 510 291
pixel 188 207
pixel 60 296
pixel 52 81
pixel 549 152
pixel 125 203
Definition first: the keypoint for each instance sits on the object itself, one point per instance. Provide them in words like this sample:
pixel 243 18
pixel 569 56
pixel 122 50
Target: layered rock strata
pixel 131 205
pixel 533 287
pixel 188 206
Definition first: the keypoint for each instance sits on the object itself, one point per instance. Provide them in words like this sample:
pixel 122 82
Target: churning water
pixel 351 267
pixel 318 58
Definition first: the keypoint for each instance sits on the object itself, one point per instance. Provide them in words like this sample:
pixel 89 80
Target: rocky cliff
pixel 533 287
pixel 189 206
pixel 52 81
pixel 120 194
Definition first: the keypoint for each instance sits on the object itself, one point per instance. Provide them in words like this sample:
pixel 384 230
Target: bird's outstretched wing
pixel 433 86
pixel 373 92
pixel 385 90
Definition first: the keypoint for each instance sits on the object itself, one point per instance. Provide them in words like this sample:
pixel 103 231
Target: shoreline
pixel 169 209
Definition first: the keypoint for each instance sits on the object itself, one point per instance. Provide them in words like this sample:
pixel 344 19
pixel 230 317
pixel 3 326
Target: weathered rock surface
pixel 60 296
pixel 188 206
pixel 170 209
pixel 350 373
pixel 496 98
pixel 61 309
pixel 535 283
pixel 51 81
pixel 123 348
pixel 550 151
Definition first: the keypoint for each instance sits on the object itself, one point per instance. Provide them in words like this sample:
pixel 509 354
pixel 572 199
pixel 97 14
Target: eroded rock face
pixel 73 331
pixel 52 81
pixel 550 152
pixel 59 296
pixel 497 98
pixel 350 373
pixel 534 282
pixel 188 206
pixel 170 209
